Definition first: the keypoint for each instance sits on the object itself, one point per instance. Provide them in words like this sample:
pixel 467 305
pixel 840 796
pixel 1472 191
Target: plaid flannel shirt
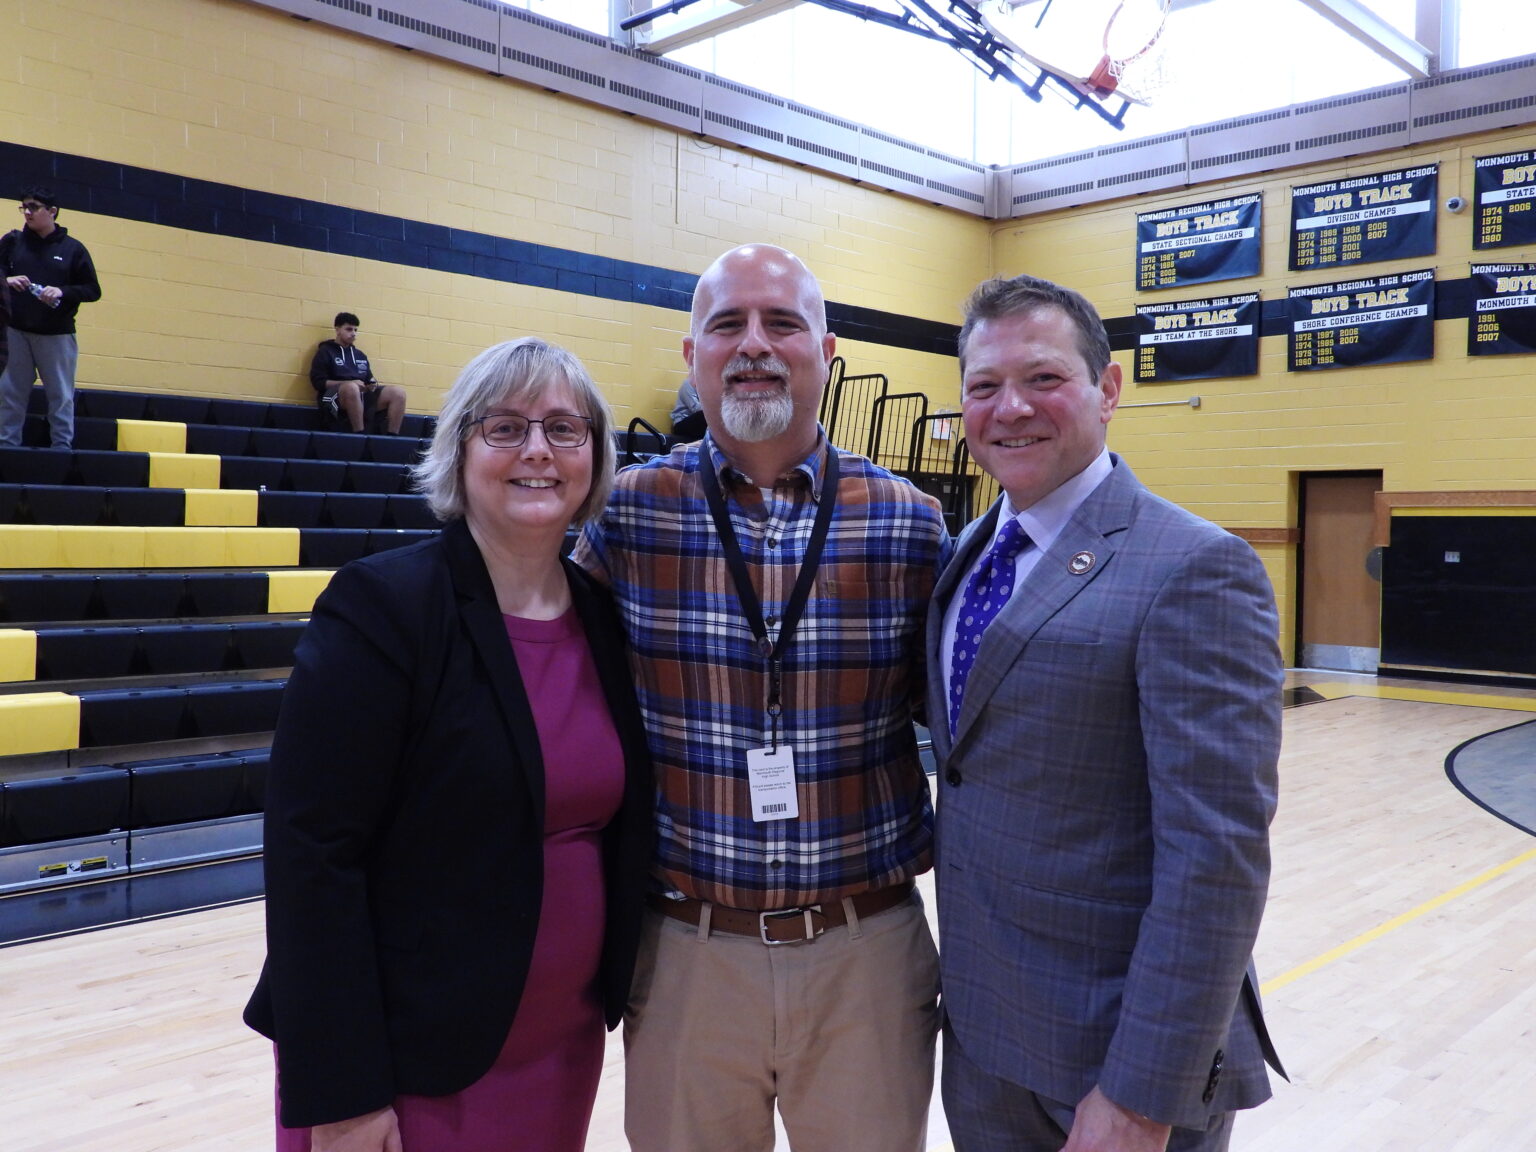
pixel 853 672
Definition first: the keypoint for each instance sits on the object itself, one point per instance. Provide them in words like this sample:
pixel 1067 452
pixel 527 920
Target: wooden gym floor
pixel 1398 957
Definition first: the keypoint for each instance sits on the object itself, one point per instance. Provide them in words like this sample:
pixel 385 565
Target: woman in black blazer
pixel 459 805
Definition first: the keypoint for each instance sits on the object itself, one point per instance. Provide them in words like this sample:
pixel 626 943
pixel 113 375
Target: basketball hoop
pixel 1133 62
pixel 1102 47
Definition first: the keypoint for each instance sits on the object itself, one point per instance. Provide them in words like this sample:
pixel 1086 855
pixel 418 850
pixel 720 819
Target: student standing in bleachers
pixel 459 808
pixel 343 382
pixel 48 275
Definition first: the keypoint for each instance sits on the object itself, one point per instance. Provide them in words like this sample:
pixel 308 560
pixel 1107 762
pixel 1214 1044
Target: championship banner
pixel 1503 319
pixel 1219 240
pixel 1197 339
pixel 1388 216
pixel 1505 188
pixel 1379 321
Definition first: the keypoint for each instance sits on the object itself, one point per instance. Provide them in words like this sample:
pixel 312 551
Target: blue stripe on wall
pixel 143 194
pixel 152 197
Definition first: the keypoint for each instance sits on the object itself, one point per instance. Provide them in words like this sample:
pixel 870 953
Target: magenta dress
pixel 539 1092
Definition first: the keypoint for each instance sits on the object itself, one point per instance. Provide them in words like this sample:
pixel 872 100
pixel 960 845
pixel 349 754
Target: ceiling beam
pixel 703 21
pixel 1376 34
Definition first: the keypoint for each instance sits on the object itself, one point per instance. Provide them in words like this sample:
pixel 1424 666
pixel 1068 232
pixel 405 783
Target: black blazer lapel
pixel 483 622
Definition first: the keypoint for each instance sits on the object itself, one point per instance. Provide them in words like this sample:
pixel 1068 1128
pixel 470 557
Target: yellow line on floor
pixel 1395 923
pixel 1336 691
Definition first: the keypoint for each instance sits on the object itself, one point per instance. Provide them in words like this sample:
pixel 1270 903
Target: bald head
pixel 759 351
pixel 766 268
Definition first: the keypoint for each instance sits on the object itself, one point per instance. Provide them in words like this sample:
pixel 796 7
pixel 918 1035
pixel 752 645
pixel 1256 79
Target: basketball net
pixel 1104 47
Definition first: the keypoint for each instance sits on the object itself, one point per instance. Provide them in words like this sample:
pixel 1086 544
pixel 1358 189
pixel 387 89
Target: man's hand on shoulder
pixel 1101 1125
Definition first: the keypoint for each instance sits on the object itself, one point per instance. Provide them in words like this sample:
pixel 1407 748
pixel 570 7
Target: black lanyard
pixel 751 606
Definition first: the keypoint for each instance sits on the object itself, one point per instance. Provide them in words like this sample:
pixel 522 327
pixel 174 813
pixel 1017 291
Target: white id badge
pixel 771 774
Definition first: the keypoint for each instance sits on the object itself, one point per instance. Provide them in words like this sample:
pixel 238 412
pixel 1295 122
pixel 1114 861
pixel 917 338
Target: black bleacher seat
pixel 212 440
pixel 225 594
pixel 233 709
pixel 62 504
pixel 418 425
pixel 266 643
pixel 179 409
pixel 86 653
pixel 39 596
pixel 111 469
pixel 369 477
pixel 172 649
pixel 292 416
pixel 394 449
pixel 147 507
pixel 132 716
pixel 314 475
pixel 61 597
pixel 181 790
pixel 101 652
pixel 338 445
pixel 111 405
pixel 35 465
pixel 141 595
pixel 97 433
pixel 331 547
pixel 354 510
pixel 88 802
pixel 289 510
pixel 290 442
pixel 256 764
pixel 238 413
pixel 12 510
pixel 254 472
pixel 411 511
pixel 383 539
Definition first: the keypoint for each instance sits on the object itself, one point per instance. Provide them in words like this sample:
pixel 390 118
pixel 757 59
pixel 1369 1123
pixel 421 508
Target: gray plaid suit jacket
pixel 1103 813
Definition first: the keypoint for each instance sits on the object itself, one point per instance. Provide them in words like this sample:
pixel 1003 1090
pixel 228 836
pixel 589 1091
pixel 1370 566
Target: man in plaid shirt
pixel 776 634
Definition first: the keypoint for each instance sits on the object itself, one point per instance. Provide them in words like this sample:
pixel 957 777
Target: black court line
pixel 1497 772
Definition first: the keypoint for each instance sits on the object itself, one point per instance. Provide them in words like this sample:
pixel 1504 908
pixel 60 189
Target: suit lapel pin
pixel 1080 563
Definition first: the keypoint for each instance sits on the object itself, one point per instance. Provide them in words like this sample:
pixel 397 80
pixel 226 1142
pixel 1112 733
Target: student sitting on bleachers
pixel 343 381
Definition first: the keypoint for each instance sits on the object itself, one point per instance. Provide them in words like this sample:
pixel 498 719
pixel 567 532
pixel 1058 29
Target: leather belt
pixel 782 925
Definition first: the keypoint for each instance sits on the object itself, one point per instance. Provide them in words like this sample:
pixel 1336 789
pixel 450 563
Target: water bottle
pixel 37 290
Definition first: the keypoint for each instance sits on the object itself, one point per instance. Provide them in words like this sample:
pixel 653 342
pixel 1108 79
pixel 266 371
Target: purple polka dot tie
pixel 986 593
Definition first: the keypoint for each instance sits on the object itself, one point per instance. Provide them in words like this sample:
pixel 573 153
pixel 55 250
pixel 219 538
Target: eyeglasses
pixel 507 431
pixel 28 209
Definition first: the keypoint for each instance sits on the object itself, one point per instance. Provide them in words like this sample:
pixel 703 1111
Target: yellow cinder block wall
pixel 229 92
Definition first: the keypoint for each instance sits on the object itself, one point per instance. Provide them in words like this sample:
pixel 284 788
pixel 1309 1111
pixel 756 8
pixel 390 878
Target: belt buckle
pixel 811 931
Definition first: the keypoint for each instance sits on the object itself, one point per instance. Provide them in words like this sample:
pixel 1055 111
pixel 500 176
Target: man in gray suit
pixel 1104 694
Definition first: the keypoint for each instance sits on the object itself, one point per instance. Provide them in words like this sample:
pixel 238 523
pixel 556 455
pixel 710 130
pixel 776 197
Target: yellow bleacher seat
pixel 39 722
pixel 184 548
pixel 295 591
pixel 151 436
pixel 29 546
pixel 82 546
pixel 183 470
pixel 18 655
pixel 260 547
pixel 229 507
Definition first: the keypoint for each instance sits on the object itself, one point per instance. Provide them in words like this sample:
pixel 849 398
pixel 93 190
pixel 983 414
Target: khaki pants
pixel 840 1030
